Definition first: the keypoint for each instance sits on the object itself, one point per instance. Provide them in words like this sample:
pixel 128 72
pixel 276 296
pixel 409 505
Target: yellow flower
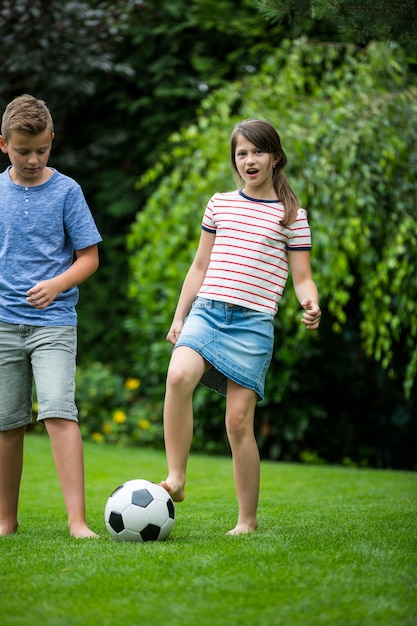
pixel 97 437
pixel 119 417
pixel 145 424
pixel 132 384
pixel 107 428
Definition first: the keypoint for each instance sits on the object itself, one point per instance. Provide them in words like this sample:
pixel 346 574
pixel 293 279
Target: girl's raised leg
pixel 184 372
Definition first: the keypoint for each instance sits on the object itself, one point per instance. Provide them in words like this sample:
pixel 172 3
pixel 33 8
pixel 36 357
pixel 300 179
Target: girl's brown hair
pixel 264 136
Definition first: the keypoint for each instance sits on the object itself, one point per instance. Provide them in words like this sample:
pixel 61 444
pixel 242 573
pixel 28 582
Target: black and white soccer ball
pixel 139 510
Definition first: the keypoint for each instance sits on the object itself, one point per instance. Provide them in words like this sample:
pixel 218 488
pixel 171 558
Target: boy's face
pixel 28 155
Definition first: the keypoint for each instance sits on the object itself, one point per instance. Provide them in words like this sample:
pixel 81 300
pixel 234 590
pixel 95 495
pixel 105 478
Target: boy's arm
pixel 43 293
pixel 305 288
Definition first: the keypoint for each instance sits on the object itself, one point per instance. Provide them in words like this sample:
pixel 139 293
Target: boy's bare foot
pixel 242 529
pixel 8 529
pixel 81 531
pixel 176 493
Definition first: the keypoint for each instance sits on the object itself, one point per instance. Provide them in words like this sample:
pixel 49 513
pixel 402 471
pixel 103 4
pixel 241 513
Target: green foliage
pixel 356 20
pixel 170 226
pixel 347 121
pixel 121 77
pixel 63 51
pixel 113 409
pixel 69 41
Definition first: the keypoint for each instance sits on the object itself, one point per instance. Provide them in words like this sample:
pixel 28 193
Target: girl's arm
pixel 305 288
pixel 192 284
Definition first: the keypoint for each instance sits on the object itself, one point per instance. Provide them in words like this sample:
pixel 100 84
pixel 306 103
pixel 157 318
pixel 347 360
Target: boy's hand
pixel 41 295
pixel 312 314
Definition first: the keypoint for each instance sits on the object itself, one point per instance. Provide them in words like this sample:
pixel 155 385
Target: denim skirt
pixel 237 342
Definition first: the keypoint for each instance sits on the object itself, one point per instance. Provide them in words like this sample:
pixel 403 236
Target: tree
pixel 357 21
pixel 345 116
pixel 120 77
pixel 57 48
pixel 178 52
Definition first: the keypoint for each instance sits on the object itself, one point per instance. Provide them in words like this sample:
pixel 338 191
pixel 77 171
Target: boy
pixel 48 245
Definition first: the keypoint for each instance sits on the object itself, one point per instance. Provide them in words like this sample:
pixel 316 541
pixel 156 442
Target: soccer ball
pixel 139 510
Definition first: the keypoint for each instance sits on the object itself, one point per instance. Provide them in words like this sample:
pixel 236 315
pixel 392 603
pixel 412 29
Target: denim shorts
pixel 237 342
pixel 45 355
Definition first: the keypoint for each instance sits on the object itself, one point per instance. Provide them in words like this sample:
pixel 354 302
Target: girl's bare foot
pixel 176 492
pixel 243 529
pixel 81 531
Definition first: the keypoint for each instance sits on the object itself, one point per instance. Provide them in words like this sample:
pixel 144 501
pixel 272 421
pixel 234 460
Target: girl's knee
pixel 181 378
pixel 239 423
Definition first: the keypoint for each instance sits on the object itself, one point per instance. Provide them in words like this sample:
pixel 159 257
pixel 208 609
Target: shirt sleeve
pixel 208 223
pixel 299 234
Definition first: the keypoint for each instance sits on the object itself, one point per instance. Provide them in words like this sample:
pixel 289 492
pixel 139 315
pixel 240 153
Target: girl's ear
pixel 3 144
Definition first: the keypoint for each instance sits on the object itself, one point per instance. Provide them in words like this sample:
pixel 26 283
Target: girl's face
pixel 28 155
pixel 255 169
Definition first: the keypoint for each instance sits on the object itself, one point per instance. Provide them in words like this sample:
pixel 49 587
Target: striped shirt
pixel 249 260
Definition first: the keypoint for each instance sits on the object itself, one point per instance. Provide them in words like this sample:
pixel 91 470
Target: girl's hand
pixel 312 314
pixel 174 331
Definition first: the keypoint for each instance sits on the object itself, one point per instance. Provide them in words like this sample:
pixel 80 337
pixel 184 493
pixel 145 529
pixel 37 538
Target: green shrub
pixel 345 115
pixel 113 410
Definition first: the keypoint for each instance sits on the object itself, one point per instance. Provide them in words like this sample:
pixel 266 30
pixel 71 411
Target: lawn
pixel 336 546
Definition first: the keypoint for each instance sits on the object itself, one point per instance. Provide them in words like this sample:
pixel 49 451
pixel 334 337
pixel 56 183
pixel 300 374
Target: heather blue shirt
pixel 40 228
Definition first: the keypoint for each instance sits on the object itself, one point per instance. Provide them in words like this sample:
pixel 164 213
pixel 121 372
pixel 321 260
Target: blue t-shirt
pixel 40 228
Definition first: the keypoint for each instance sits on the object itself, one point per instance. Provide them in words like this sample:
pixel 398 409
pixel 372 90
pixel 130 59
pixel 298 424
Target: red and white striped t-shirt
pixel 249 262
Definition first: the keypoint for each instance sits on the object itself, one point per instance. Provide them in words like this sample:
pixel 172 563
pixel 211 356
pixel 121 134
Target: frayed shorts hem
pixel 15 425
pixel 67 416
pixel 39 419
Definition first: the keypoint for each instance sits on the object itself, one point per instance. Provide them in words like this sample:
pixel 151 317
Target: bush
pixel 345 118
pixel 113 410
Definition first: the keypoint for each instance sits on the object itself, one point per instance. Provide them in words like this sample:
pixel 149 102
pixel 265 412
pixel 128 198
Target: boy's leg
pixel 67 452
pixel 240 411
pixel 184 371
pixel 11 463
pixel 53 355
pixel 15 414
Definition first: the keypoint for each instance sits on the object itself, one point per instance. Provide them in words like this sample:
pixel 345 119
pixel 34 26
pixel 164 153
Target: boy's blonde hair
pixel 26 114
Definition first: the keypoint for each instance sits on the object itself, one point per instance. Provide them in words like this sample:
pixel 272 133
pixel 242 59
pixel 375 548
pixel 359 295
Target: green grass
pixel 336 546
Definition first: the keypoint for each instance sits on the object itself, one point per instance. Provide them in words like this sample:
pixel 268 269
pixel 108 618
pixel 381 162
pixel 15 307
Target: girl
pixel 223 327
